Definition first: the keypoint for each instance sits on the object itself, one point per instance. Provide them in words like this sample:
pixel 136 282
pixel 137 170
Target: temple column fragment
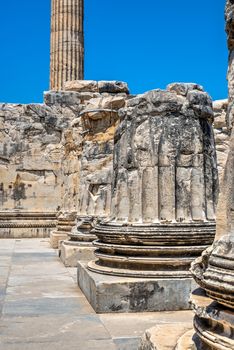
pixel 164 156
pixel 67 42
pixel 213 302
pixel 98 119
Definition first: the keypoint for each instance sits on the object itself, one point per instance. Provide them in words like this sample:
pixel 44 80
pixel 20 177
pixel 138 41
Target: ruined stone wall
pixel 56 157
pixel 88 149
pixel 30 167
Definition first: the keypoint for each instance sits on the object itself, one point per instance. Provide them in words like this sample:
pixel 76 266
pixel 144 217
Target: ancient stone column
pixel 70 173
pixel 213 302
pixel 163 202
pixel 98 120
pixel 67 42
pixel 163 196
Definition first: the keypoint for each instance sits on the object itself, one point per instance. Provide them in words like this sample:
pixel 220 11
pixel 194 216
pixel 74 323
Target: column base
pixel 213 323
pixel 109 294
pixel 71 252
pixel 55 237
pixel 157 338
pixel 189 341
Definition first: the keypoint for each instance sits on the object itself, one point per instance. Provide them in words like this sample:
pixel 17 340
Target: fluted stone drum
pixel 213 303
pixel 67 42
pixel 98 120
pixel 164 188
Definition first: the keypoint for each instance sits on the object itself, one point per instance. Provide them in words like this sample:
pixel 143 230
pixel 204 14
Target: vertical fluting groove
pixel 74 14
pixel 51 39
pixel 52 43
pixel 69 40
pixel 55 83
pixel 63 54
pixel 73 38
pixel 60 45
pixel 81 30
pixel 66 41
pixel 53 50
pixel 67 52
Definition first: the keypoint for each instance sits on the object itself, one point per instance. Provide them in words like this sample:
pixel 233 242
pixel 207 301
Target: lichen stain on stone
pixel 141 295
pixel 19 191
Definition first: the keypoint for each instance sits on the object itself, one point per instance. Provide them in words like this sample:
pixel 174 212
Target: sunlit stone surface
pixel 213 303
pixel 97 122
pixel 164 186
pixel 67 42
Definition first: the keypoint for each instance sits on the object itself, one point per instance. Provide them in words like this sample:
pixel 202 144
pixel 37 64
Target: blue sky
pixel 147 43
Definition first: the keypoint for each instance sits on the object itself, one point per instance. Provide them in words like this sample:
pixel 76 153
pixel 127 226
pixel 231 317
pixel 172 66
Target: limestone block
pixel 111 102
pixel 109 294
pixel 72 252
pixel 81 86
pixel 113 87
pixel 56 237
pixel 183 89
pixel 64 98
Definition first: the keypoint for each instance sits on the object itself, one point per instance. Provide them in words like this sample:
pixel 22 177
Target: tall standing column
pixel 67 42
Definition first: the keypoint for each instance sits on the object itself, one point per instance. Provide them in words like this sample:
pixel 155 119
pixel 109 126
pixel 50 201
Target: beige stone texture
pixel 165 186
pixel 30 167
pixel 221 134
pixel 56 237
pixel 81 86
pixel 213 303
pixel 67 42
pixel 98 121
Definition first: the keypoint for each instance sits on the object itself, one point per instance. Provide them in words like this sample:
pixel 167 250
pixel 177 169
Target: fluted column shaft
pixel 67 42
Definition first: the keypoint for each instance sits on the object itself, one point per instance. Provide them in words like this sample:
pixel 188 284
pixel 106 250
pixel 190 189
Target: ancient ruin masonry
pixel 30 166
pixel 213 302
pixel 164 193
pixel 98 120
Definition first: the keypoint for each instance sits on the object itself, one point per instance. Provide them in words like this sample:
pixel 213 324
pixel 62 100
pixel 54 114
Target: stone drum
pixel 164 188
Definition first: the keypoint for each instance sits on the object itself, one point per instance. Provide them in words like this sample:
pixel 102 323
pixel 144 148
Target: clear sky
pixel 147 43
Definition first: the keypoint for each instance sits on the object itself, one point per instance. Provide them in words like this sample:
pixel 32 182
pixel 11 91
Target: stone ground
pixel 41 306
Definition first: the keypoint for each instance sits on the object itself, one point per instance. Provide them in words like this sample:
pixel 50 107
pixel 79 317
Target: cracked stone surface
pixel 42 307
